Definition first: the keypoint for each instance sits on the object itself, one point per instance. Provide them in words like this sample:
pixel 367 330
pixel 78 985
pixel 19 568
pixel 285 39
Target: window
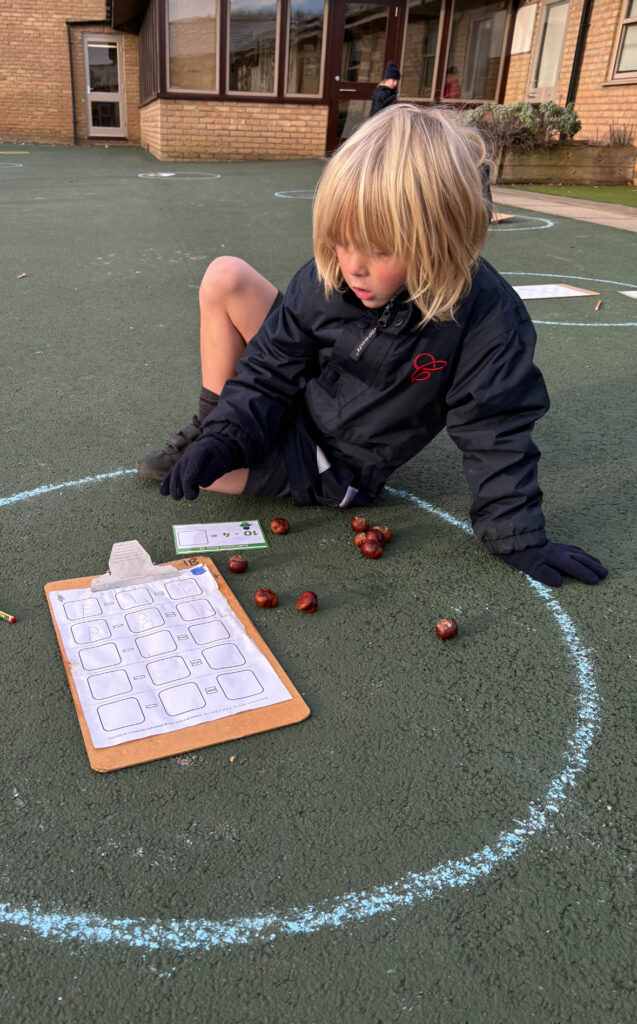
pixel 475 50
pixel 305 47
pixel 626 56
pixel 252 46
pixel 550 53
pixel 419 55
pixel 192 45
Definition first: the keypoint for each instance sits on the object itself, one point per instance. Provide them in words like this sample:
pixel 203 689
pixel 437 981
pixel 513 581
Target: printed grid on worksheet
pixel 159 656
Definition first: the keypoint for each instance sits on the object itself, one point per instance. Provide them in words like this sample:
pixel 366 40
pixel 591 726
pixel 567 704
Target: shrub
pixel 620 136
pixel 526 125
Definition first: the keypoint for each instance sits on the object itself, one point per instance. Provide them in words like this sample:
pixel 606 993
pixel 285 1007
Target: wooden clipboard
pixel 151 748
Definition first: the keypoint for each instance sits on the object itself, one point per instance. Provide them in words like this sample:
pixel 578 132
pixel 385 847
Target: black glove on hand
pixel 549 562
pixel 203 462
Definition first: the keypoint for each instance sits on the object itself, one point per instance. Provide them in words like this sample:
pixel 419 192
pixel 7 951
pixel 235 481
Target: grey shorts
pixel 270 478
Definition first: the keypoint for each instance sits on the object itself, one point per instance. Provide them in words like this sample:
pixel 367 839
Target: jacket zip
pixel 383 320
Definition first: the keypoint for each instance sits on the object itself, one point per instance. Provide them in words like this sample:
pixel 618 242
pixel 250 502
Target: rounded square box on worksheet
pixel 178 700
pixel 109 684
pixel 82 609
pixel 155 644
pixel 168 670
pixel 179 590
pixel 209 632
pixel 121 714
pixel 102 656
pixel 191 610
pixel 89 632
pixel 145 618
pixel 237 685
pixel 133 598
pixel 224 656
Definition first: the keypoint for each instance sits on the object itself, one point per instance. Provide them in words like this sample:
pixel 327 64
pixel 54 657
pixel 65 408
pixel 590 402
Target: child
pixel 386 92
pixel 396 329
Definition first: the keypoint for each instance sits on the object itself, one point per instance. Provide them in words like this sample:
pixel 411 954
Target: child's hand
pixel 203 462
pixel 549 562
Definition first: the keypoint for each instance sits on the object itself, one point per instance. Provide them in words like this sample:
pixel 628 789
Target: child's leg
pixel 234 301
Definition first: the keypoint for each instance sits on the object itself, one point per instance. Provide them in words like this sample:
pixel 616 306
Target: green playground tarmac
pixel 450 836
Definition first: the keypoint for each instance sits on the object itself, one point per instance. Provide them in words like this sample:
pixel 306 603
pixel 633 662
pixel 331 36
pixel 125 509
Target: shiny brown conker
pixel 237 563
pixel 446 628
pixel 280 525
pixel 307 602
pixel 266 598
pixel 359 539
pixel 385 530
pixel 359 524
pixel 372 548
pixel 376 534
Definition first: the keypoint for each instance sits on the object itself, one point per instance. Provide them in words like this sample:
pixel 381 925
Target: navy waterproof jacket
pixel 373 387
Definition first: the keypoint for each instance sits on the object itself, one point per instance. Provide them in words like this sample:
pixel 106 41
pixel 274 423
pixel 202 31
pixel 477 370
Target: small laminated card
pixel 198 537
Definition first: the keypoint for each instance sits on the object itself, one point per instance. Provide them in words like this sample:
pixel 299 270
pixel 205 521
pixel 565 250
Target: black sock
pixel 207 402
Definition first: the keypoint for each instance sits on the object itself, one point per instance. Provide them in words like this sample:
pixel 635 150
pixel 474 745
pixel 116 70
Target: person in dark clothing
pixel 395 330
pixel 386 92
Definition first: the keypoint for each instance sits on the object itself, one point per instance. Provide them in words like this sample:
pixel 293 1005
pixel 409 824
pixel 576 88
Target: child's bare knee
pixel 224 277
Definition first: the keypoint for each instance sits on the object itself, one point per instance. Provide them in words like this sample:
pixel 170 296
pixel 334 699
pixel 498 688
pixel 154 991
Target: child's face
pixel 373 278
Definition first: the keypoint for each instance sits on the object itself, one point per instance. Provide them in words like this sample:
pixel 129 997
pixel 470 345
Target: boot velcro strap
pixel 184 437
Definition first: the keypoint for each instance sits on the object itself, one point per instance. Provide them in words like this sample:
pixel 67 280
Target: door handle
pixel 347 90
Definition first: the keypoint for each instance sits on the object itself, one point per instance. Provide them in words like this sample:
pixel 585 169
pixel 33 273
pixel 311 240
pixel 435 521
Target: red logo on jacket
pixel 426 364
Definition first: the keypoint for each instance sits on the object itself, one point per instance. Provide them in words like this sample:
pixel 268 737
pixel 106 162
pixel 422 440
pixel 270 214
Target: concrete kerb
pixel 611 215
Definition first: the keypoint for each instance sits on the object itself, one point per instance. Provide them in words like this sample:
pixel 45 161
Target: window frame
pixel 178 90
pixel 285 41
pixel 622 77
pixel 274 93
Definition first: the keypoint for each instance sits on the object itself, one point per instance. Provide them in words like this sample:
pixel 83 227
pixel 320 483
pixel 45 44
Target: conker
pixel 237 563
pixel 280 525
pixel 372 548
pixel 359 539
pixel 266 598
pixel 359 524
pixel 446 628
pixel 307 602
pixel 376 534
pixel 386 532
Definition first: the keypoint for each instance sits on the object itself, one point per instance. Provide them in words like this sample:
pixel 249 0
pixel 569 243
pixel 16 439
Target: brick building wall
pixel 35 74
pixel 599 105
pixel 208 130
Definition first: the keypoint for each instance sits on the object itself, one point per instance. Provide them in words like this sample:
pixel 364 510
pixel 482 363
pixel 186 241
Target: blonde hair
pixel 407 184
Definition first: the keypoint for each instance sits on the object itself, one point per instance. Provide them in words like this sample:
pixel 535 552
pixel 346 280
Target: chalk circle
pixel 573 277
pixel 179 175
pixel 545 223
pixel 296 193
pixel 11 165
pixel 351 907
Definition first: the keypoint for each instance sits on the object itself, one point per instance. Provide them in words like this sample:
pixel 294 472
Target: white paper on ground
pixel 550 291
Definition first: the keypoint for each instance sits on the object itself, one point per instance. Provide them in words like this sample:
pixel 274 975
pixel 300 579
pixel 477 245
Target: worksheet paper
pixel 159 656
pixel 550 291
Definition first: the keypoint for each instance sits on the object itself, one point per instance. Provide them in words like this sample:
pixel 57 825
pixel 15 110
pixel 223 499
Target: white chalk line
pixel 352 907
pixel 572 277
pixel 502 227
pixel 178 175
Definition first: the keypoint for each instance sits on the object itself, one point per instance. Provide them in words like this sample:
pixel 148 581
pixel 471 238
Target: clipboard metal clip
pixel 129 564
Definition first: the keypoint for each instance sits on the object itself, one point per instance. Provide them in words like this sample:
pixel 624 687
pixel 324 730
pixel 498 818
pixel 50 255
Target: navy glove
pixel 202 462
pixel 549 562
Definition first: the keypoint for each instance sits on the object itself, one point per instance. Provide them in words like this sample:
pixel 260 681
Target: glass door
pixel 105 109
pixel 364 37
